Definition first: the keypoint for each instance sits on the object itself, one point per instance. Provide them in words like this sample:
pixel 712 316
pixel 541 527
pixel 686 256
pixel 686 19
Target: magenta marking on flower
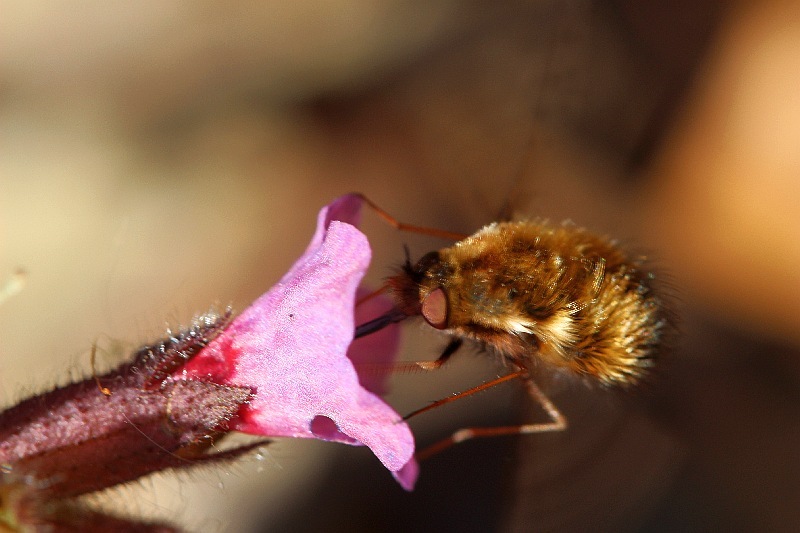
pixel 290 347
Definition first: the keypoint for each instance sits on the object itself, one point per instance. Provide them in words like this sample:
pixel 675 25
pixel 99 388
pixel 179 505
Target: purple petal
pixel 290 347
pixel 407 476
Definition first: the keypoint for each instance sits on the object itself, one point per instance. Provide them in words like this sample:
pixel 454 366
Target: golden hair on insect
pixel 526 289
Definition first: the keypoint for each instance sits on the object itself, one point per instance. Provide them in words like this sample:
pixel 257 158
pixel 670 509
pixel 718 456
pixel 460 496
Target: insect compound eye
pixel 434 308
pixel 426 262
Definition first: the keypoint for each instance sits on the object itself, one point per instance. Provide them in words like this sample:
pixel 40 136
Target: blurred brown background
pixel 158 158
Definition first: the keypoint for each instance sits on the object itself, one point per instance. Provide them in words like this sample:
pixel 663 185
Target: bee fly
pixel 529 292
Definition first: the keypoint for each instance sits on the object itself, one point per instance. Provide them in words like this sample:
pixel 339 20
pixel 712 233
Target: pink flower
pixel 291 348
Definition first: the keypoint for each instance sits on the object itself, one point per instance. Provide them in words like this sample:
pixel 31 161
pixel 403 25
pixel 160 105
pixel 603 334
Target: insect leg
pixel 450 349
pixel 464 394
pixel 405 366
pixel 402 226
pixel 558 421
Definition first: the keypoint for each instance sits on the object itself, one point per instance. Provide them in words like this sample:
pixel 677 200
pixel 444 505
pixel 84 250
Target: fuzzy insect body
pixel 527 290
